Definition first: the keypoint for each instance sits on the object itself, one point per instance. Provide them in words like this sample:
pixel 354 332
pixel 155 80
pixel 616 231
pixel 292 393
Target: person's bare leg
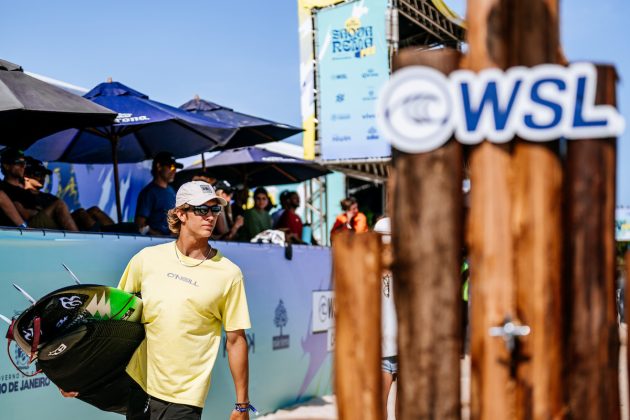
pixel 61 215
pixel 83 219
pixel 388 380
pixel 100 216
pixel 11 211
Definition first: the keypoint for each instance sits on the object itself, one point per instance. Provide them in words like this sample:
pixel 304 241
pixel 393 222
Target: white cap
pixel 384 228
pixel 197 193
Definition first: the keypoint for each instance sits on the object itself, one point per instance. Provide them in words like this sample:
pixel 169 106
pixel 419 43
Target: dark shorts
pixel 144 407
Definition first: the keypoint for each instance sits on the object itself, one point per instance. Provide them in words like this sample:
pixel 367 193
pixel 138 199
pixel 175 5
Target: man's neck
pixel 14 181
pixel 160 182
pixel 194 247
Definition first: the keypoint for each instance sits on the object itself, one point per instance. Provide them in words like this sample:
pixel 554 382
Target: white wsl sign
pixel 420 108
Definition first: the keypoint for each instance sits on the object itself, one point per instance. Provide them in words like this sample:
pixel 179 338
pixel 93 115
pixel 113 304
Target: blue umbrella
pixel 256 167
pixel 142 129
pixel 252 130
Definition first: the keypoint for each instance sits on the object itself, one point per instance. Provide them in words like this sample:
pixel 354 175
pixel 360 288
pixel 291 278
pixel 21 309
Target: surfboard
pixel 83 336
pixel 69 307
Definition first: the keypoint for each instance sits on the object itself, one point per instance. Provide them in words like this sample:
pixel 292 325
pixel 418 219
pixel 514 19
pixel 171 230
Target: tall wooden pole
pixel 592 332
pixel 357 270
pixel 427 241
pixel 515 230
pixel 626 302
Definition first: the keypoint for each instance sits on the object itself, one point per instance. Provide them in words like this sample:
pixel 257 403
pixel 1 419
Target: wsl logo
pixel 419 109
pixel 353 41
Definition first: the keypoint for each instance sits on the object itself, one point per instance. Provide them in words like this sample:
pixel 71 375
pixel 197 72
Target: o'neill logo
pixel 419 109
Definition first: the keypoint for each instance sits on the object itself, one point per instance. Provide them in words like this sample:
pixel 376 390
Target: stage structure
pixel 346 49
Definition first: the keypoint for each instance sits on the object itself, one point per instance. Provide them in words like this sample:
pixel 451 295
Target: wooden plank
pixel 627 318
pixel 427 240
pixel 489 236
pixel 593 336
pixel 533 32
pixel 515 232
pixel 357 270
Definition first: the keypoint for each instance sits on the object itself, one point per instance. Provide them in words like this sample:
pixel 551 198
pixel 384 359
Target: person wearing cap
pixel 189 291
pixel 227 226
pixel 157 197
pixel 37 212
pixel 389 324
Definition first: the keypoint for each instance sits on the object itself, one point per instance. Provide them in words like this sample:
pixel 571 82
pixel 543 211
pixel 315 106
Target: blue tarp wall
pixel 280 377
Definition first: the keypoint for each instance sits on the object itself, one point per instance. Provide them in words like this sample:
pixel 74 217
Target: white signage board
pixel 323 310
pixel 419 109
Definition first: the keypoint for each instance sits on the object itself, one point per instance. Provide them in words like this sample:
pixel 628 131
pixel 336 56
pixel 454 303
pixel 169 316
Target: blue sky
pixel 239 53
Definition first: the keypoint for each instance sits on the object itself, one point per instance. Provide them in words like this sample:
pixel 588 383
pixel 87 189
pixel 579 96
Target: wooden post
pixel 357 278
pixel 515 230
pixel 592 331
pixel 427 241
pixel 627 319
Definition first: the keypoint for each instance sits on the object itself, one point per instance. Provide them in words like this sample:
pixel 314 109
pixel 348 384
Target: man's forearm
pixel 239 363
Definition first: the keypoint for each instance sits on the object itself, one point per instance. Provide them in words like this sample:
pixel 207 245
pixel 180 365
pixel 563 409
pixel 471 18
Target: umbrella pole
pixel 203 162
pixel 114 141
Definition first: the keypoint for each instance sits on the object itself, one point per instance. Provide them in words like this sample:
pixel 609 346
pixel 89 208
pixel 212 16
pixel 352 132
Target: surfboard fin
pixel 76 279
pixel 26 295
pixel 5 319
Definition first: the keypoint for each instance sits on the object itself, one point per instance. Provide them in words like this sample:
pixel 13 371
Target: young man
pixel 289 221
pixel 189 290
pixel 46 214
pixel 157 197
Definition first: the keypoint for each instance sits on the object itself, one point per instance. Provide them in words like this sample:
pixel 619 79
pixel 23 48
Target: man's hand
pixel 68 394
pixel 237 415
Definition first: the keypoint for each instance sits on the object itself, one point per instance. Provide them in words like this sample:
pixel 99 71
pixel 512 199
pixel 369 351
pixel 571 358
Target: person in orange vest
pixel 351 218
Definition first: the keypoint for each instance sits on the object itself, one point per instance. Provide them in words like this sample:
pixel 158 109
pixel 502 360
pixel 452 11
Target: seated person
pixel 91 220
pixel 39 212
pixel 257 219
pixel 284 203
pixel 351 219
pixel 9 215
pixel 227 227
pixel 289 221
pixel 158 197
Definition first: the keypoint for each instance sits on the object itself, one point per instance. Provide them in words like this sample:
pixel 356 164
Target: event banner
pixel 83 185
pixel 622 224
pixel 352 65
pixel 307 70
pixel 289 361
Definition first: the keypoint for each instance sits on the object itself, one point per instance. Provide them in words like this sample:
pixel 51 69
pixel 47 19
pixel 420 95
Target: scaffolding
pixel 423 24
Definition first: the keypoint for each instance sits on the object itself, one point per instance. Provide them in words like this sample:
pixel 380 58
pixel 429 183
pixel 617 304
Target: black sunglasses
pixel 203 210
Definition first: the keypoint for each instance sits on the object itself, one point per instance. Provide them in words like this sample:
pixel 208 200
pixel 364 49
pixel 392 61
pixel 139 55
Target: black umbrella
pixel 252 130
pixel 31 109
pixel 254 167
